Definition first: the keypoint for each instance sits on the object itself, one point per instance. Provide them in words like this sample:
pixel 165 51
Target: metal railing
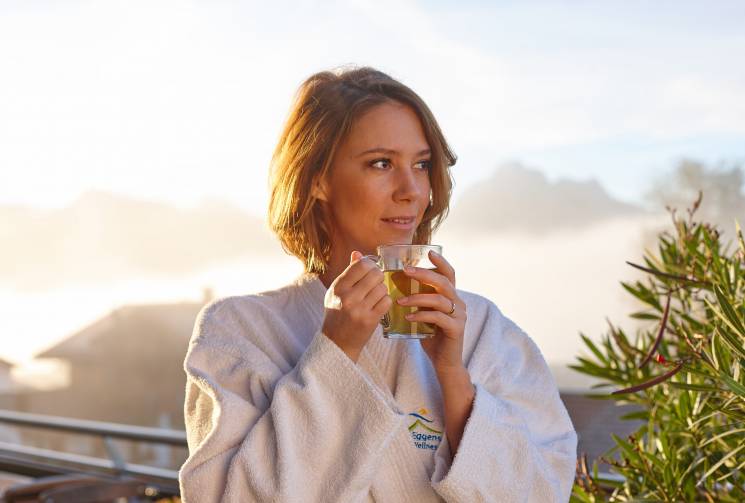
pixel 37 462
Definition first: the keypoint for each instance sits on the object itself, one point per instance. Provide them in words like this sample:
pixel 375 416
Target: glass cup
pixel 391 259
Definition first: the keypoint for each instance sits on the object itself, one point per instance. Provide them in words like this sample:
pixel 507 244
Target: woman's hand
pixel 445 349
pixel 355 301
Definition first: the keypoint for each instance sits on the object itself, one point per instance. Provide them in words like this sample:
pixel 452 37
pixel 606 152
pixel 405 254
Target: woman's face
pixel 378 185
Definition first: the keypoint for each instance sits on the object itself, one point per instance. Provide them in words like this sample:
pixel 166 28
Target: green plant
pixel 684 371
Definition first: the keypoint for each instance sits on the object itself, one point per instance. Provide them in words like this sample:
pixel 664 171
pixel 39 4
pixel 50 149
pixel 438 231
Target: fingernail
pixel 408 269
pixel 435 253
pixel 409 316
pixel 403 300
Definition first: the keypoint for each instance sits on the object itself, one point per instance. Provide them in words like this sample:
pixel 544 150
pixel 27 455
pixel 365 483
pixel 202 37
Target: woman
pixel 293 394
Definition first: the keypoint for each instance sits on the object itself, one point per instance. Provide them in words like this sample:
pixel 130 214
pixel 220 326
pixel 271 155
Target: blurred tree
pixel 724 200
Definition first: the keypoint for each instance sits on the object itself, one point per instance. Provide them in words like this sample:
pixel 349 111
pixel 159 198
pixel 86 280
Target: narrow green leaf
pixel 594 349
pixel 701 401
pixel 715 352
pixel 590 370
pixel 702 458
pixel 722 435
pixel 739 416
pixel 719 314
pixel 603 482
pixel 579 495
pixel 735 345
pixel 641 315
pixel 684 404
pixel 704 372
pixel 720 463
pixel 626 447
pixel 667 474
pixel 642 415
pixel 643 294
pixel 654 459
pixel 607 372
pixel 733 385
pixel 730 315
pixel 663 445
pixel 722 354
pixel 696 387
pixel 601 385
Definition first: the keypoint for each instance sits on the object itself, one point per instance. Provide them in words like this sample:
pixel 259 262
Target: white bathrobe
pixel 276 412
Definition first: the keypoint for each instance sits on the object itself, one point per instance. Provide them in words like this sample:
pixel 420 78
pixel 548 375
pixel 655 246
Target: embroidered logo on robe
pixel 422 431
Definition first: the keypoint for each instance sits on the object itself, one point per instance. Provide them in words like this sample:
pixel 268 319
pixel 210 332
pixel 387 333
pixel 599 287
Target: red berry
pixel 660 358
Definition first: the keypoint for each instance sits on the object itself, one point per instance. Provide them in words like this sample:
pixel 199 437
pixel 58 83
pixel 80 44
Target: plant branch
pixel 661 332
pixel 667 275
pixel 651 382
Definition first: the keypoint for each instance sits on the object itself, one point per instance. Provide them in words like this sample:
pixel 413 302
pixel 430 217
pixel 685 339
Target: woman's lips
pixel 403 223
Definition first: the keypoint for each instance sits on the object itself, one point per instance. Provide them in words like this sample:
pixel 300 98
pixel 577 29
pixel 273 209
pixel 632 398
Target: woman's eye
pixel 380 163
pixel 385 163
pixel 424 165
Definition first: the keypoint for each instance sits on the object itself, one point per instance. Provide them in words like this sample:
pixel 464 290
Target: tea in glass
pixel 392 259
pixel 395 324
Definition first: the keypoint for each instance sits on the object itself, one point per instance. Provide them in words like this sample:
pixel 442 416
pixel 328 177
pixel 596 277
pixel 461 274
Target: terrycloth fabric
pixel 275 411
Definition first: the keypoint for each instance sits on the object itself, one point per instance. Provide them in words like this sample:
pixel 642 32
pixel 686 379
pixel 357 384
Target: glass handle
pixel 385 320
pixel 376 259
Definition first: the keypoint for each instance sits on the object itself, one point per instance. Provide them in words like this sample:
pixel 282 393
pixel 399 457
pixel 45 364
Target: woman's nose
pixel 408 186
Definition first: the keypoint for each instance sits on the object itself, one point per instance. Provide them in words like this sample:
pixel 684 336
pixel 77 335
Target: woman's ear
pixel 320 191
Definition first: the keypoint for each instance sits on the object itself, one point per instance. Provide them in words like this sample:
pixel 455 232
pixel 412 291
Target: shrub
pixel 685 370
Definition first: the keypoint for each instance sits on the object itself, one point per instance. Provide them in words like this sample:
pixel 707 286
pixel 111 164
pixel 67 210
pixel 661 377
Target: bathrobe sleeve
pixel 519 443
pixel 316 432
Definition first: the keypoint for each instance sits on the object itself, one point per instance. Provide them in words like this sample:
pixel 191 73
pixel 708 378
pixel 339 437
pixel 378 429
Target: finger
pixel 372 278
pixel 357 292
pixel 438 318
pixel 383 305
pixel 431 277
pixel 344 294
pixel 432 300
pixel 443 266
pixel 355 271
pixel 375 294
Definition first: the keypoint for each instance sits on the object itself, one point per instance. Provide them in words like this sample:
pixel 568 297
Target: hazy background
pixel 135 139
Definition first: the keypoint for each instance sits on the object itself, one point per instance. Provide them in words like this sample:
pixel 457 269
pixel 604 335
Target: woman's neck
pixel 334 268
pixel 340 259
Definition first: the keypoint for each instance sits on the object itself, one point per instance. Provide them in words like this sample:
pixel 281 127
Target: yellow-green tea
pixel 394 324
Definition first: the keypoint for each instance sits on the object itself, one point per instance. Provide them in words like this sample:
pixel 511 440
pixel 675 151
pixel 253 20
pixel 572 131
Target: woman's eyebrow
pixel 381 150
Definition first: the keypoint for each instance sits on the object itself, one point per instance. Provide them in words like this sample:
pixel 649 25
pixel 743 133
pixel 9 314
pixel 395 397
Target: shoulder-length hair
pixel 322 113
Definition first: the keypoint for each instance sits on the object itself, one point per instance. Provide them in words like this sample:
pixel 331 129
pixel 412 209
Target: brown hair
pixel 322 114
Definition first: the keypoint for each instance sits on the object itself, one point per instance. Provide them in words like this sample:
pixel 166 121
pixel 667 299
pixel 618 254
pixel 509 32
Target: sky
pixel 181 102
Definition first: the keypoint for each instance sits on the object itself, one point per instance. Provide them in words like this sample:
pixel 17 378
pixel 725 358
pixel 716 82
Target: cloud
pixel 104 237
pixel 107 250
pixel 523 200
pixel 556 285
